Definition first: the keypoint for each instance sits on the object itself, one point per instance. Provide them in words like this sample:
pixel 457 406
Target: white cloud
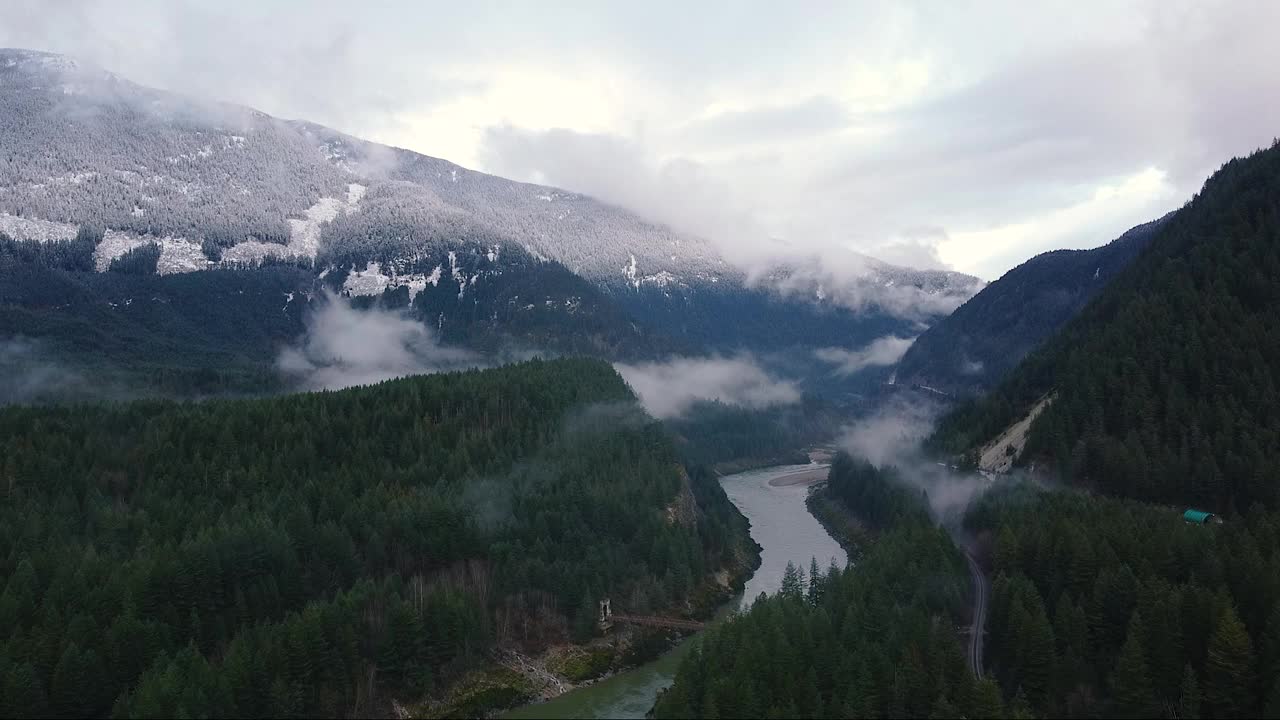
pixel 878 353
pixel 1000 127
pixel 988 251
pixel 670 388
pixel 344 346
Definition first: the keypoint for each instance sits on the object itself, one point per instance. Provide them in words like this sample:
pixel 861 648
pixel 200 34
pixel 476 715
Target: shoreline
pixel 807 476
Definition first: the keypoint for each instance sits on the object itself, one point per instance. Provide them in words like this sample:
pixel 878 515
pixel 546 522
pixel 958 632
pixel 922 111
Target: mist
pixel 668 389
pixel 344 346
pixel 879 352
pixel 29 375
pixel 893 436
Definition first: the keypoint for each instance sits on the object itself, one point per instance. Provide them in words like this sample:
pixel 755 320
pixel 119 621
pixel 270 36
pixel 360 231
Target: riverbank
pixel 843 525
pixel 804 476
pixel 780 527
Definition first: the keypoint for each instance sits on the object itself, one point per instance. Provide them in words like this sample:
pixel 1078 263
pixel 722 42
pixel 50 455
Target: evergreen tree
pixel 1189 695
pixel 1131 682
pixel 1228 673
pixel 986 701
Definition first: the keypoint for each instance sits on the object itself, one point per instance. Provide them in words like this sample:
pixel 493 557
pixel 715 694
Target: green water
pixel 786 531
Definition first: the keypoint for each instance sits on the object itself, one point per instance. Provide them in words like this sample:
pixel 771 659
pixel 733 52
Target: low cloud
pixel 344 346
pixel 882 351
pixel 859 282
pixel 892 436
pixel 29 375
pixel 668 389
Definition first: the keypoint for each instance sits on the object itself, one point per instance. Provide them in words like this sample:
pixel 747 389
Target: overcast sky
pixel 966 135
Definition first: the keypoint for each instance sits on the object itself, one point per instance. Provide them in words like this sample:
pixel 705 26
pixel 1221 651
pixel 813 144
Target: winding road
pixel 979 628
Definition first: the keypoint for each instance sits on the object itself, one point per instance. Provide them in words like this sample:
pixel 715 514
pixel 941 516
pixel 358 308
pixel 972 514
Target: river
pixel 786 532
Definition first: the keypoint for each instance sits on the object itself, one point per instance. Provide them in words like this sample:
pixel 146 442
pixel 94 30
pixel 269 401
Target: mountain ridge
pixel 971 349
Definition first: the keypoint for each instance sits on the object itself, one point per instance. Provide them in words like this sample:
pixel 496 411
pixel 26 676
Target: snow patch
pixel 21 228
pixel 374 280
pixel 304 234
pixel 369 281
pixel 355 193
pixel 113 245
pixel 177 255
pixel 662 279
pixel 459 276
pixel 629 272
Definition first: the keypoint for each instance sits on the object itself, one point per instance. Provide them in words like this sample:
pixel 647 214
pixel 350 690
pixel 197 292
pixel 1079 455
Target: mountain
pixel 217 186
pixel 1167 385
pixel 968 351
pixel 325 554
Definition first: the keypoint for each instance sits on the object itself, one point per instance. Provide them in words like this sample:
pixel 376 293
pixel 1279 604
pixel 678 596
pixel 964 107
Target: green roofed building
pixel 1197 517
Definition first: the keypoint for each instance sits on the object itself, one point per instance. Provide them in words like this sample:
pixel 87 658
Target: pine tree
pixel 1037 656
pixel 1131 682
pixel 1228 674
pixel 985 701
pixel 1272 709
pixel 815 582
pixel 1189 695
pixel 792 582
pixel 1020 709
pixel 23 694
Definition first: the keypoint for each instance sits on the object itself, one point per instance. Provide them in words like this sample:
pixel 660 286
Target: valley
pixel 869 361
pixel 786 533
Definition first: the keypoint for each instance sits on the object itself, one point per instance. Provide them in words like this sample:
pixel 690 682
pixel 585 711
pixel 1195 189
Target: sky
pixel 963 135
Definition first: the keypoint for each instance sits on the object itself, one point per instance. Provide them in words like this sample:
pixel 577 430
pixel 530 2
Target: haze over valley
pixel 882 360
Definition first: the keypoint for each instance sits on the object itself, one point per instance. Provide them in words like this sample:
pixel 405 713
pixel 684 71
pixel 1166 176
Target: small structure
pixel 1197 517
pixel 606 615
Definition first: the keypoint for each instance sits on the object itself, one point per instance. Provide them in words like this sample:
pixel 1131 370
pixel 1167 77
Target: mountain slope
pixel 216 185
pixel 1167 386
pixel 971 349
pixel 323 554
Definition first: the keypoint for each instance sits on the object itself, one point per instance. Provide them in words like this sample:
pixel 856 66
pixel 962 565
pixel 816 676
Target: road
pixel 979 628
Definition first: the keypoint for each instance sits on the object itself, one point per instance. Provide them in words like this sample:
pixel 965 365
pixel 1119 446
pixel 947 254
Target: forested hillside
pixel 1167 386
pixel 971 349
pixel 321 554
pixel 710 433
pixel 220 331
pixel 176 185
pixel 136 332
pixel 1112 608
pixel 876 640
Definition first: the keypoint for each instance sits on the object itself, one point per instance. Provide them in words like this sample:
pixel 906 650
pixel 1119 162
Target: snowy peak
pixel 215 184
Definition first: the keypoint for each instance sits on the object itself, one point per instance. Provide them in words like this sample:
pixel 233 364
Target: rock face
pixel 683 510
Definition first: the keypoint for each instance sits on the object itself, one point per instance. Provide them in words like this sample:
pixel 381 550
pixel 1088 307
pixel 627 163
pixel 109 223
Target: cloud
pixel 670 388
pixel 679 192
pixel 344 346
pixel 999 126
pixel 28 374
pixel 891 435
pixel 879 352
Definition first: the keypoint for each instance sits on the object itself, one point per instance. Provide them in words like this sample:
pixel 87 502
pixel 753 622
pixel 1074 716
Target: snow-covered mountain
pixel 219 183
pixel 488 262
pixel 222 183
